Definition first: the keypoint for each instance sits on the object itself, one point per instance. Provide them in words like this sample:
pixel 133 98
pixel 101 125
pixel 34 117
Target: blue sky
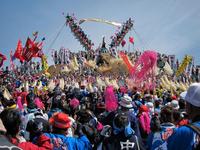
pixel 167 26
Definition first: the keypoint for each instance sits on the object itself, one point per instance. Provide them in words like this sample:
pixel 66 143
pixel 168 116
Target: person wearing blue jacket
pixel 185 137
pixel 161 129
pixel 61 123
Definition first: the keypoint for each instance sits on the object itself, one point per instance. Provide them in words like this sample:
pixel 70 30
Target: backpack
pixel 197 130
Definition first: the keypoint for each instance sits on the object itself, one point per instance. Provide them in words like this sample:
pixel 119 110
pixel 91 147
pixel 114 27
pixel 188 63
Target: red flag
pixel 19 51
pixel 30 50
pixel 39 54
pixel 123 43
pixel 39 46
pixel 2 59
pixel 131 39
pixel 29 44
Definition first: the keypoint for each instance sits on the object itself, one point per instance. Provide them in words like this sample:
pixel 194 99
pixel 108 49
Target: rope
pixel 140 39
pixel 54 40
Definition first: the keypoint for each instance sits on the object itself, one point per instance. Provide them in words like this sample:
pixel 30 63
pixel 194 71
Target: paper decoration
pixel 62 83
pixel 187 59
pixel 126 60
pixel 51 85
pixel 110 99
pixel 144 69
pixel 6 94
pixel 167 69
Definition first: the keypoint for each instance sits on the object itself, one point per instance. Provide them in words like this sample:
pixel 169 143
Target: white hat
pixel 126 101
pixel 174 104
pixel 63 94
pixel 147 95
pixel 183 94
pixel 149 104
pixel 193 94
pixel 168 104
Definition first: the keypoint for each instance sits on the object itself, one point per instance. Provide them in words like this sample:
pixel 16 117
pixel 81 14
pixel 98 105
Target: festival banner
pixel 187 59
pixel 45 65
pixel 19 51
pixel 12 65
pixel 171 60
pixel 30 49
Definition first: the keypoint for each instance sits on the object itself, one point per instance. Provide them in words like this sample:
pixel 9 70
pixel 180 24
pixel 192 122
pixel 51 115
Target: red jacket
pixel 23 95
pixel 43 144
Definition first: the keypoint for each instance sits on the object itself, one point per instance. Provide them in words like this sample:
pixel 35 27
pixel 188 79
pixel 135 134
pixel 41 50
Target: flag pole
pixel 35 34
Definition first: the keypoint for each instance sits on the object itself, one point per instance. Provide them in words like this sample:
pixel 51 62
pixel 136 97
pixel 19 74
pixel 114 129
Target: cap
pixel 60 120
pixel 193 94
pixel 174 104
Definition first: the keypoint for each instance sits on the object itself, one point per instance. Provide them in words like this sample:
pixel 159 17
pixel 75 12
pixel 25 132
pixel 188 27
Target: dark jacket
pixel 120 142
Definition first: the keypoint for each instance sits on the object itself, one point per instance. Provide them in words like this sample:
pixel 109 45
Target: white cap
pixel 193 94
pixel 63 94
pixel 183 94
pixel 174 104
pixel 149 104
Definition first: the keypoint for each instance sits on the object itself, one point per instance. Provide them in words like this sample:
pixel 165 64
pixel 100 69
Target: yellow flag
pixel 45 65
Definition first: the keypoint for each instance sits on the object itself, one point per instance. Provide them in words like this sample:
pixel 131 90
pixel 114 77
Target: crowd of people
pixel 37 116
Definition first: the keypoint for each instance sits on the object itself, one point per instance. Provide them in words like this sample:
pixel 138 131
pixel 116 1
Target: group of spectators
pixel 75 117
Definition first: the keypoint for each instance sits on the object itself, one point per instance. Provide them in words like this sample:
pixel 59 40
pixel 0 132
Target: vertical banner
pixel 12 65
pixel 187 59
pixel 171 60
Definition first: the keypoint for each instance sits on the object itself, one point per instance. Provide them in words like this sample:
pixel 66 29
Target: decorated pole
pixel 79 33
pixel 118 38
